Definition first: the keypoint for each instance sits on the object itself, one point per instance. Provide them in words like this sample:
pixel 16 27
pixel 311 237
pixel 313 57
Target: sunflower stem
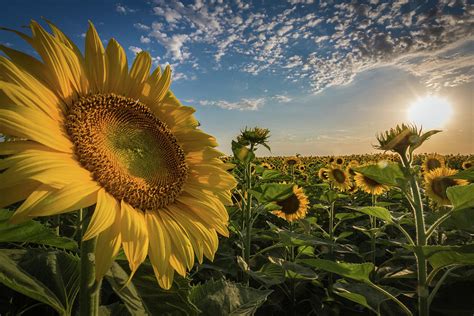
pixel 89 287
pixel 248 216
pixel 421 239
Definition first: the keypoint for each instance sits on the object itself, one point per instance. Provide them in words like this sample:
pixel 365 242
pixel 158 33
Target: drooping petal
pixel 69 198
pixel 134 235
pixel 107 246
pixel 105 211
pixel 160 248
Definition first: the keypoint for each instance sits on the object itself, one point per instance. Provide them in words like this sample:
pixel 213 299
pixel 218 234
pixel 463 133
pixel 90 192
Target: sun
pixel 430 112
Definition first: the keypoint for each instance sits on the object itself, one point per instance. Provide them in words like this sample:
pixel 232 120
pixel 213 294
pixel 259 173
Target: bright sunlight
pixel 430 112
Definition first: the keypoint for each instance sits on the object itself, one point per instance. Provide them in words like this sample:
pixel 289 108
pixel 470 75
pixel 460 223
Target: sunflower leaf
pixel 48 276
pixel 462 196
pixel 467 174
pixel 227 298
pixel 31 232
pixel 143 296
pixel 389 173
pixel 376 211
pixel 355 271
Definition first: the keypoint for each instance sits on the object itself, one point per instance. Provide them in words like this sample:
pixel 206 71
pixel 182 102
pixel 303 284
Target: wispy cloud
pixel 123 9
pixel 241 105
pixel 316 44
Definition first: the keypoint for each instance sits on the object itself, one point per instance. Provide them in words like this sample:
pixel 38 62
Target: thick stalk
pixel 248 216
pixel 422 288
pixel 373 226
pixel 89 287
pixel 331 238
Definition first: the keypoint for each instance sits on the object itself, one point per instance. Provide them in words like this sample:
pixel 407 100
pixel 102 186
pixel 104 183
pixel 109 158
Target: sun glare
pixel 430 112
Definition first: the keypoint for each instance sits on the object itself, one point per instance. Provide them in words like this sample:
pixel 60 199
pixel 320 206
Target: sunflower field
pixel 115 202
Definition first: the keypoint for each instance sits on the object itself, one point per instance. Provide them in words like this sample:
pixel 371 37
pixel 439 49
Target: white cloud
pixel 144 40
pixel 282 98
pixel 135 49
pixel 141 27
pixel 241 105
pixel 122 9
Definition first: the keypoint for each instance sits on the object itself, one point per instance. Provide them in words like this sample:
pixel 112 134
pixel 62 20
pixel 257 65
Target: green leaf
pixel 462 196
pixel 48 276
pixel 143 296
pixel 467 174
pixel 31 232
pixel 242 153
pixel 376 211
pixel 271 175
pixel 363 294
pixel 270 274
pixel 115 309
pixel 389 174
pixel 464 255
pixel 222 297
pixel 276 191
pixel 356 271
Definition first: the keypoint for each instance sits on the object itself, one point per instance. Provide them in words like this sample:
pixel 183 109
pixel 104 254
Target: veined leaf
pixel 143 296
pixel 356 271
pixel 376 211
pixel 48 276
pixel 462 196
pixel 227 298
pixel 32 232
pixel 389 174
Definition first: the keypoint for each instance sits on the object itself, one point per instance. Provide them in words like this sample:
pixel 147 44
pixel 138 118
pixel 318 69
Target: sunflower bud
pixel 403 138
pixel 254 136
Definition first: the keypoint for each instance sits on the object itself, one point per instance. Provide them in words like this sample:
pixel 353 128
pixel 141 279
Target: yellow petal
pixel 117 71
pixel 72 197
pixel 24 89
pixel 160 87
pixel 160 243
pixel 105 211
pixel 138 74
pixel 32 124
pixel 63 64
pixel 107 247
pixel 14 147
pixel 134 235
pixel 95 60
pixel 22 213
pixel 26 62
pixel 182 254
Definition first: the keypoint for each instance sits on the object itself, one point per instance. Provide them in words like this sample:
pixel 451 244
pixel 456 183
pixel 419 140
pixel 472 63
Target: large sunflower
pixel 92 132
pixel 293 207
pixel 437 181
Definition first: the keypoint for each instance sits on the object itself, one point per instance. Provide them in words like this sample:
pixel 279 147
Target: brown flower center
pixel 131 153
pixel 290 205
pixel 439 186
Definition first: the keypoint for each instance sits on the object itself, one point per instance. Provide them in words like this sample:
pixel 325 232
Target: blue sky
pixel 323 76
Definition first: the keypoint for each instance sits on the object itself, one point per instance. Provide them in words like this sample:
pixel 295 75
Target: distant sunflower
pixel 323 174
pixel 94 132
pixel 467 164
pixel 293 207
pixel 267 165
pixel 292 161
pixel 339 161
pixel 350 167
pixel 432 162
pixel 437 181
pixel 301 167
pixel 369 185
pixel 339 178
